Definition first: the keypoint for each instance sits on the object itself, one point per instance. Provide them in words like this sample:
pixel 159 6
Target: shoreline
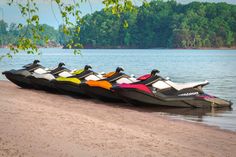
pixel 162 113
pixel 203 48
pixel 160 48
pixel 36 123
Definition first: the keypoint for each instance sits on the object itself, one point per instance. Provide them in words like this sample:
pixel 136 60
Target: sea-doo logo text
pixel 188 94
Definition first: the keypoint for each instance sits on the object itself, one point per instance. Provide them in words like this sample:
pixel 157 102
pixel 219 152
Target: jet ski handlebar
pixel 87 67
pixel 119 69
pixel 30 64
pixel 154 72
pixel 61 65
pixel 36 61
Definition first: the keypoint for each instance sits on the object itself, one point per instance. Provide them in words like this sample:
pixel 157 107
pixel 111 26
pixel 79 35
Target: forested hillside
pixel 10 32
pixel 156 24
pixel 165 25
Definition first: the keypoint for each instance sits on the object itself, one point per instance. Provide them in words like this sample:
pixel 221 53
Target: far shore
pixel 120 47
pixel 202 48
pixel 37 123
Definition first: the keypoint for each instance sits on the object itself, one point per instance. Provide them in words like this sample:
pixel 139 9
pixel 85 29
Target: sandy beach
pixel 40 124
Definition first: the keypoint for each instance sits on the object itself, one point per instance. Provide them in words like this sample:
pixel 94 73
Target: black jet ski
pixel 72 85
pixel 43 81
pixel 155 90
pixel 101 89
pixel 20 77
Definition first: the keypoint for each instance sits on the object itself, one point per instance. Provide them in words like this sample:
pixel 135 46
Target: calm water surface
pixel 216 66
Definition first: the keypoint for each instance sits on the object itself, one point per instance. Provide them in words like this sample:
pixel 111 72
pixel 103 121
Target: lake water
pixel 216 66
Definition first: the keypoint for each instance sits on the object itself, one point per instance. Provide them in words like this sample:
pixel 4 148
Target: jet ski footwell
pixel 137 97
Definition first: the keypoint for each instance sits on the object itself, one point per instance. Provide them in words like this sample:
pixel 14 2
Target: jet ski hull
pixel 42 84
pixel 19 80
pixel 101 93
pixel 137 97
pixel 69 88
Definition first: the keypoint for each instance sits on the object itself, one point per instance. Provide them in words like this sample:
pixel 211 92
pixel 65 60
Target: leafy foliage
pixel 29 10
pixel 9 34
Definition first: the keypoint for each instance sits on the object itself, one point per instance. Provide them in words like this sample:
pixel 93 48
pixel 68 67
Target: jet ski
pixel 20 77
pixel 158 91
pixel 72 84
pixel 43 81
pixel 101 89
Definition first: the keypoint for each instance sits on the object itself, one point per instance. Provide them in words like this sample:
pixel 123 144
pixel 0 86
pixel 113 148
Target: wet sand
pixel 40 124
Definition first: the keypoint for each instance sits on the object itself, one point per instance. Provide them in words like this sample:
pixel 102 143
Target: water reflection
pixel 196 114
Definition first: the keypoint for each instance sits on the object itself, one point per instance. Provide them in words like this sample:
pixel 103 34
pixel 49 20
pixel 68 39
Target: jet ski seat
pixel 40 71
pixel 141 87
pixel 102 84
pixel 78 75
pixel 60 71
pixel 116 76
pixel 149 80
pixel 109 78
pixel 82 74
pixel 105 83
pixel 144 77
pixel 127 80
pixel 76 78
pixel 180 86
pixel 94 77
pixel 34 67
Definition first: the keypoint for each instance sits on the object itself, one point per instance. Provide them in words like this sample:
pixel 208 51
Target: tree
pixel 161 24
pixel 29 10
pixel 3 32
pixel 3 27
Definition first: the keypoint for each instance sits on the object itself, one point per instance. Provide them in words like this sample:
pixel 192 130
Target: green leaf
pixel 20 26
pixel 126 24
pixel 35 18
pixel 78 29
pixel 76 52
pixel 58 1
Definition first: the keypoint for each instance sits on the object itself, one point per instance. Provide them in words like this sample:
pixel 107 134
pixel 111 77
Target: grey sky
pixel 11 13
